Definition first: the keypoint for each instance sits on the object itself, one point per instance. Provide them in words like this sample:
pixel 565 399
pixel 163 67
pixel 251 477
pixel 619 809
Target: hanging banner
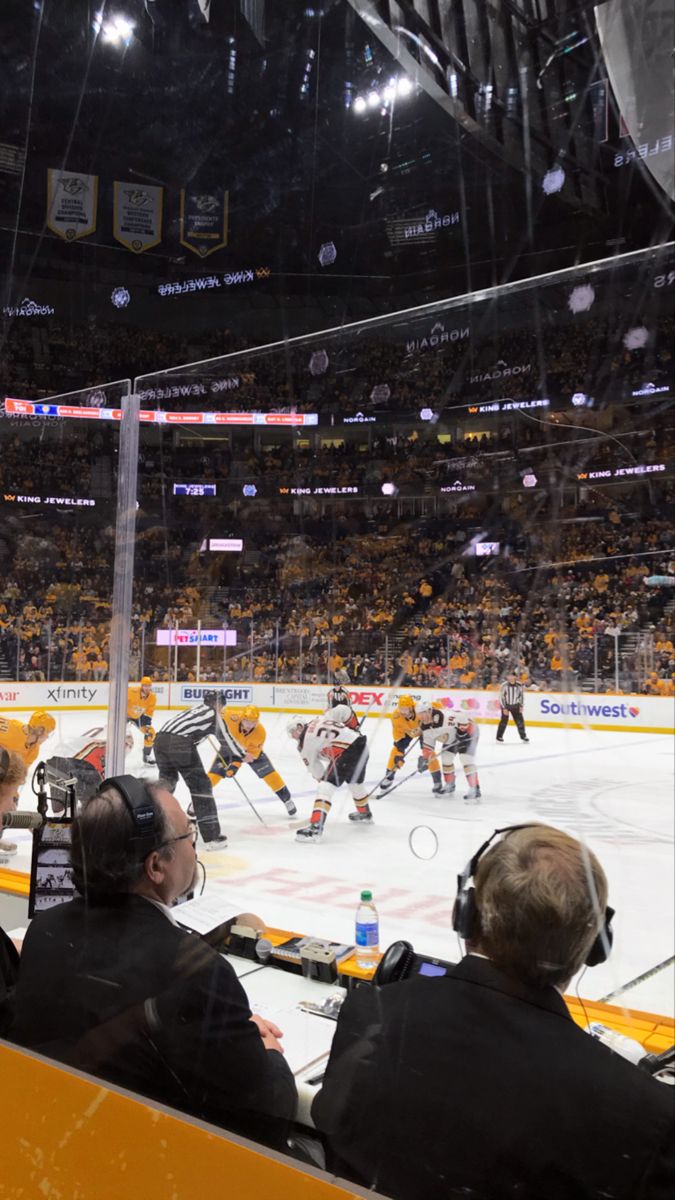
pixel 137 215
pixel 72 200
pixel 203 221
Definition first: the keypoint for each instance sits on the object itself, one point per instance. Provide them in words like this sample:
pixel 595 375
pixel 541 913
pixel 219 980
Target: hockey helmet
pixel 462 718
pixel 424 708
pixel 406 701
pixel 42 720
pixel 146 681
pixel 295 724
pixel 250 713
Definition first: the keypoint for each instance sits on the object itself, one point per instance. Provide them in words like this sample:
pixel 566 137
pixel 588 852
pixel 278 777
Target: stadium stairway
pixel 6 672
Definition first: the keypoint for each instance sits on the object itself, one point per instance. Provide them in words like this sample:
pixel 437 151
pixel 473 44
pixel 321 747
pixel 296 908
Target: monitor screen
pixel 432 969
pixel 51 880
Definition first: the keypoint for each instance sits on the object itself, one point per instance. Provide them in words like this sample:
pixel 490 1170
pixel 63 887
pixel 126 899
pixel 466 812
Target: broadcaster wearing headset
pixel 479 1083
pixel 110 984
pixel 12 775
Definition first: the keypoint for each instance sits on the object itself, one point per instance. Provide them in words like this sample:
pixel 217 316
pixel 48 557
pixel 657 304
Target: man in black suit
pixel 479 1084
pixel 111 985
pixel 12 775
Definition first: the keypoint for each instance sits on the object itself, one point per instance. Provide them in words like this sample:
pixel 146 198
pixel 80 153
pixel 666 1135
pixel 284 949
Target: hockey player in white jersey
pixel 334 754
pixel 456 733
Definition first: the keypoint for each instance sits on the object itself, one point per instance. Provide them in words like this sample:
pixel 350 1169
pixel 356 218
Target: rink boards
pixel 551 710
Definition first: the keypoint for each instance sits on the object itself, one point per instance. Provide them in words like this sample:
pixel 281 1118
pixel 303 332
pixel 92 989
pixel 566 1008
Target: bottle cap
pixel 366 895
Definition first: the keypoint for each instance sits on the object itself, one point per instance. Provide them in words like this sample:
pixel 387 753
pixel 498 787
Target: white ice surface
pixel 613 790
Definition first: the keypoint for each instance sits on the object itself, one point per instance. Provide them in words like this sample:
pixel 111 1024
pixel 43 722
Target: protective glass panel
pixel 373 556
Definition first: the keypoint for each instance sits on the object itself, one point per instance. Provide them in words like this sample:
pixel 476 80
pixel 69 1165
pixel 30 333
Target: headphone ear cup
pixel 601 947
pixel 465 915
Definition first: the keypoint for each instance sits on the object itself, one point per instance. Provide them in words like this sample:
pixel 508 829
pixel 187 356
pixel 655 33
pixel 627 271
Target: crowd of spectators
pixel 402 367
pixel 384 591
pixel 402 600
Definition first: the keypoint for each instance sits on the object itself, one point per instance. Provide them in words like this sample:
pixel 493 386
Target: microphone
pixel 263 949
pixel 21 820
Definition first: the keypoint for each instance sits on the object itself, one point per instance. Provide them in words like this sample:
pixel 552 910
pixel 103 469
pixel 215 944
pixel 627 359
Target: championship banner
pixel 72 200
pixel 203 221
pixel 137 215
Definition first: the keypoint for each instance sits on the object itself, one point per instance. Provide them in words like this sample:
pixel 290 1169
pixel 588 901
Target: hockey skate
pixel 361 817
pixel 290 807
pixel 472 796
pixel 443 789
pixel 218 843
pixel 309 833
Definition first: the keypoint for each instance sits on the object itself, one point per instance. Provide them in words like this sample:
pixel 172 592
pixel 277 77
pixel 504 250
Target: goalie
pixel 242 738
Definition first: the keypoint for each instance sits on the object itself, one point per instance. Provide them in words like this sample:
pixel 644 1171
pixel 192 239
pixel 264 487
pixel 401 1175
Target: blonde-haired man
pixel 477 1081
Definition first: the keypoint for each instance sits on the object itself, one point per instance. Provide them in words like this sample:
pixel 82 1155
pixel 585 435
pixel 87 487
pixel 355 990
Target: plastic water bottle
pixel 367 934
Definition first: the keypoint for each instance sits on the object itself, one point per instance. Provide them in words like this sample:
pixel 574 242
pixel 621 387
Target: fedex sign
pixel 367 699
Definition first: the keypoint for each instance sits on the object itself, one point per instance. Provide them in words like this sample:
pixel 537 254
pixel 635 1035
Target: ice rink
pixel 613 790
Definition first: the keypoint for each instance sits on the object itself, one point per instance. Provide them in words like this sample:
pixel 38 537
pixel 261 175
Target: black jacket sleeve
pixel 9 970
pixel 201 1026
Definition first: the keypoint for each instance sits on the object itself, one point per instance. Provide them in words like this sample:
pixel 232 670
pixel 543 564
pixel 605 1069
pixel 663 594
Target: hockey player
pixel 467 734
pixel 176 752
pixel 141 701
pixel 334 754
pixel 338 695
pixel 242 742
pixel 405 727
pixel 457 734
pixel 81 758
pixel 25 740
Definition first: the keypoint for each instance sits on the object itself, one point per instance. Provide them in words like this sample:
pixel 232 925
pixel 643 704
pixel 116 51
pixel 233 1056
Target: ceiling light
pixel 359 105
pixel 373 99
pixel 553 181
pixel 636 338
pixel 404 87
pixel 117 30
pixel 581 298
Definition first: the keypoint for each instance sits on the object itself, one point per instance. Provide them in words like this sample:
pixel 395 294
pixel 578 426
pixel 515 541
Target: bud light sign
pixel 240 695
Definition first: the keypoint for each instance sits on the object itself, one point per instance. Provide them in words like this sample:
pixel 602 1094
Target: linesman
pixel 511 699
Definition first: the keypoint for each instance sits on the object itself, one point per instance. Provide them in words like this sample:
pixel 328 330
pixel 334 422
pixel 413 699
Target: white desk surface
pixel 307 1037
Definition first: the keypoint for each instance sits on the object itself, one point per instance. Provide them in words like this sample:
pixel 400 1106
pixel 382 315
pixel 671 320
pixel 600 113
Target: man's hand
pixel 269 1033
pixel 422 763
pixel 248 758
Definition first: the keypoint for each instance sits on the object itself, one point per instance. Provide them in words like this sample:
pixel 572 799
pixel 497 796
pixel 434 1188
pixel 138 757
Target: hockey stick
pixel 234 779
pixel 415 742
pixel 395 786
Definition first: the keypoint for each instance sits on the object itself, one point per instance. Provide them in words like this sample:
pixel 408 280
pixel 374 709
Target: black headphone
pixel 466 919
pixel 142 808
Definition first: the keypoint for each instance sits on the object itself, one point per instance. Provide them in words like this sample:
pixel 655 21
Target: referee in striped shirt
pixel 176 754
pixel 511 700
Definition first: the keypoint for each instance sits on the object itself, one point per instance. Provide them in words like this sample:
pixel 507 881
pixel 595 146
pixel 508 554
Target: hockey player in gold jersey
pixel 242 740
pixel 405 727
pixel 25 740
pixel 141 701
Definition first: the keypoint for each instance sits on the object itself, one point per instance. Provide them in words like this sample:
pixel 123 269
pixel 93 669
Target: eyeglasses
pixel 193 832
